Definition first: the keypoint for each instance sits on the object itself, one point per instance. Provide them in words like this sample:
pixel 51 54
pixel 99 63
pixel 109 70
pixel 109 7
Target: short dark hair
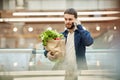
pixel 71 11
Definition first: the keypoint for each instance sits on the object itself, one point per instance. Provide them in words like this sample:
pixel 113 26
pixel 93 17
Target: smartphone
pixel 73 25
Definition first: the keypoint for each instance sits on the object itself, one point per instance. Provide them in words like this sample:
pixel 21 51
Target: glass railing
pixel 32 59
pixel 24 64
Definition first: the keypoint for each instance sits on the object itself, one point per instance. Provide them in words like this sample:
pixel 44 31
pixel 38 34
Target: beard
pixel 72 26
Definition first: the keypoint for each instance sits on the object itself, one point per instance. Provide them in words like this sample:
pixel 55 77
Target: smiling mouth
pixel 68 24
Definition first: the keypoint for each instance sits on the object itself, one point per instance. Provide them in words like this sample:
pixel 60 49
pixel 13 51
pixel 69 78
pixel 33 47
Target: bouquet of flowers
pixel 54 43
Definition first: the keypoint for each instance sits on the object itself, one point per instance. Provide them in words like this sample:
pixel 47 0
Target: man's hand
pixel 77 22
pixel 51 56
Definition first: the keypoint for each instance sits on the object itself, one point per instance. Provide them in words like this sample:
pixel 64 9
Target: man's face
pixel 69 20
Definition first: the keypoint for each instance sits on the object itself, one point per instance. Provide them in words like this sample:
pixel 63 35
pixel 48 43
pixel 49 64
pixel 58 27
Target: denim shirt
pixel 82 38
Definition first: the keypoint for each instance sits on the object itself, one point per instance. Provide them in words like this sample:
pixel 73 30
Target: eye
pixel 70 19
pixel 65 19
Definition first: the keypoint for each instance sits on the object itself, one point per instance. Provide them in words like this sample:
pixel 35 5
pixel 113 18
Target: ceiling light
pixel 54 19
pixel 62 13
pixel 15 29
pixel 98 28
pixel 30 29
pixel 115 27
pixel 49 28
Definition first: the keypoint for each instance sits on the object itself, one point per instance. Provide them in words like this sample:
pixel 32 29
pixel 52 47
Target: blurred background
pixel 21 50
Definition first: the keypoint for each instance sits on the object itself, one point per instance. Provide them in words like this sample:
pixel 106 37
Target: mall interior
pixel 21 50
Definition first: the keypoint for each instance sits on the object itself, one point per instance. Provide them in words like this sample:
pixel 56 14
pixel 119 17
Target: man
pixel 81 38
pixel 76 41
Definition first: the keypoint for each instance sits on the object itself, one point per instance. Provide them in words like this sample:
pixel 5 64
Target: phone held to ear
pixel 73 25
pixel 77 22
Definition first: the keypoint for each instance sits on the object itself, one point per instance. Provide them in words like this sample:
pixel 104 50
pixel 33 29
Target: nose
pixel 67 21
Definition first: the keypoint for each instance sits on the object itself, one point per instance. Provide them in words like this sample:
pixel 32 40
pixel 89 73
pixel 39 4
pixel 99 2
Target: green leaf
pixel 49 35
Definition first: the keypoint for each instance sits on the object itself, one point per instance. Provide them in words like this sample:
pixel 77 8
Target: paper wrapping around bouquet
pixel 57 47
